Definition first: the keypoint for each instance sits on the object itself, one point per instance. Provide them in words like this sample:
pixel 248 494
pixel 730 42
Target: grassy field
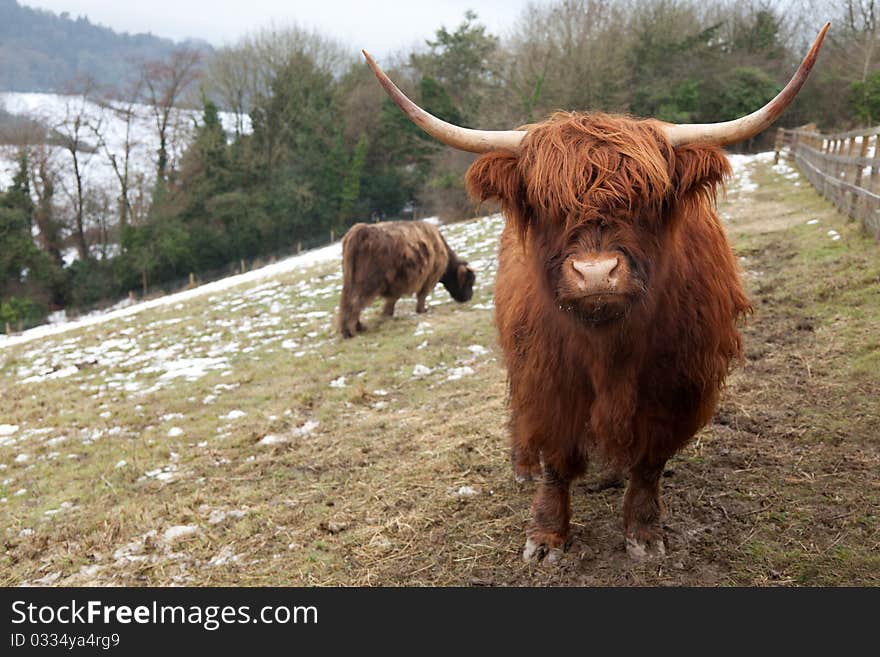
pixel 233 439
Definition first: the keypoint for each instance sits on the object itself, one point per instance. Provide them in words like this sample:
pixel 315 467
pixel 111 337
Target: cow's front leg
pixel 421 296
pixel 526 464
pixel 551 512
pixel 642 510
pixel 388 308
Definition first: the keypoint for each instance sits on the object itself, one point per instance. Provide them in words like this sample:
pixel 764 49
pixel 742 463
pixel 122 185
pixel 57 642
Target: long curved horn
pixel 465 139
pixel 741 129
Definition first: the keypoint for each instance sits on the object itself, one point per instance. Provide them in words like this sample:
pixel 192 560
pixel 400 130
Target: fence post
pixel 241 264
pixel 192 279
pixel 828 151
pixel 858 199
pixel 777 145
pixel 875 163
pixel 299 246
pixel 8 329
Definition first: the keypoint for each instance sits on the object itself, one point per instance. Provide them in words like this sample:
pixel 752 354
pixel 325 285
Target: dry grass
pixel 782 488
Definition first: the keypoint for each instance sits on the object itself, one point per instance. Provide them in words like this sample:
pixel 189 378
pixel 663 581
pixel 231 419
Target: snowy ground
pixel 142 391
pixel 127 309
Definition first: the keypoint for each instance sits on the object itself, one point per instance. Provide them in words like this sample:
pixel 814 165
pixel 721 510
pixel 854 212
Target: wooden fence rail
pixel 844 167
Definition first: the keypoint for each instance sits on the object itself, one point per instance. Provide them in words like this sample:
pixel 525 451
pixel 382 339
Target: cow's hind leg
pixel 388 308
pixel 642 510
pixel 350 311
pixel 551 512
pixel 350 318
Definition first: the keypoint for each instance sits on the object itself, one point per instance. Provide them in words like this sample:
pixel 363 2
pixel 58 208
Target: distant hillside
pixel 42 51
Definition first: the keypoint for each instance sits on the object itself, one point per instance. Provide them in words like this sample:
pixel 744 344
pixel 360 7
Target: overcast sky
pixel 381 26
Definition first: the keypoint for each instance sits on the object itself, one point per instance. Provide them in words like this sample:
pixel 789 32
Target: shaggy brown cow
pixel 393 259
pixel 617 295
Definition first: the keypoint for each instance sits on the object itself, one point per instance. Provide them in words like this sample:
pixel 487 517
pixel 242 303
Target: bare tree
pixel 71 131
pixel 860 22
pixel 127 112
pixel 245 71
pixel 568 54
pixel 165 84
pixel 231 77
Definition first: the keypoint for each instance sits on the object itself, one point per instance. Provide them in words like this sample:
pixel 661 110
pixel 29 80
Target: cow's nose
pixel 596 274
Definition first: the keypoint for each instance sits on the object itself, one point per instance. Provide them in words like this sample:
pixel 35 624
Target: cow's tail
pixel 349 302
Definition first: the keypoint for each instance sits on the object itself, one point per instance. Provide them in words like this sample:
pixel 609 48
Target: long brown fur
pixel 635 391
pixel 393 259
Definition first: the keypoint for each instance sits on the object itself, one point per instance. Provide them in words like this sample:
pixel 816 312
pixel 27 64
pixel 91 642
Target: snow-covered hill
pixel 59 112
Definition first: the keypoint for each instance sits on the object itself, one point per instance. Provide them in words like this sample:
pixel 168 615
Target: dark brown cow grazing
pixel 394 259
pixel 617 295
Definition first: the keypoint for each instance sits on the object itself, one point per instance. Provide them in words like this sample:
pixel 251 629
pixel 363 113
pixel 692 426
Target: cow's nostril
pixel 613 270
pixel 597 273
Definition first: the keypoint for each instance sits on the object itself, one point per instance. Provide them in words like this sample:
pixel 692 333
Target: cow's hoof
pixel 644 550
pixel 547 549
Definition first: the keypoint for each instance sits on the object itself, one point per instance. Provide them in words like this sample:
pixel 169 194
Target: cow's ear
pixel 495 176
pixel 699 169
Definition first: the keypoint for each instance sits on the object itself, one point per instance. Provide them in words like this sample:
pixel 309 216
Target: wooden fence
pixel 844 167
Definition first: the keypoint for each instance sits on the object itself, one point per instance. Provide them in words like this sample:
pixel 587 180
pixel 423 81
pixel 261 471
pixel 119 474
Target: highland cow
pixel 617 297
pixel 393 259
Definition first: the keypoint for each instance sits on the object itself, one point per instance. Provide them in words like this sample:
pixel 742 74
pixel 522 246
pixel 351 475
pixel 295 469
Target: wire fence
pixel 844 167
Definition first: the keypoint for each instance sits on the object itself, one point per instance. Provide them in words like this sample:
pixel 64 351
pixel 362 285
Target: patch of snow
pixel 224 557
pixel 458 372
pixel 421 370
pixel 191 368
pixel 271 439
pixel 218 515
pixel 307 429
pixel 173 534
